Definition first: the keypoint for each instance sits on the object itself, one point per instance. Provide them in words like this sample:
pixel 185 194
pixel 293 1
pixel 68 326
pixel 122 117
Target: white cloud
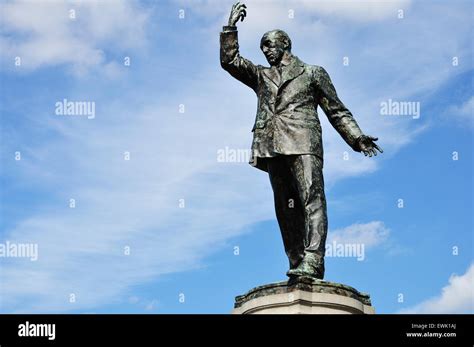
pixel 354 10
pixel 44 34
pixel 370 234
pixel 462 114
pixel 456 297
pixel 364 11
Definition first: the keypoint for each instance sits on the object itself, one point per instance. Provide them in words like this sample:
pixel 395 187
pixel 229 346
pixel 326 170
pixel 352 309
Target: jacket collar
pixel 291 68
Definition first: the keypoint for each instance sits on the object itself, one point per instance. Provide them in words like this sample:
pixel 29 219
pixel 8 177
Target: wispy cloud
pixel 66 33
pixel 172 204
pixel 462 114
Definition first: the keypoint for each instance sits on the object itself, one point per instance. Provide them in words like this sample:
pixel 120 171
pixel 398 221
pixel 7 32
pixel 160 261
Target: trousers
pixel 300 204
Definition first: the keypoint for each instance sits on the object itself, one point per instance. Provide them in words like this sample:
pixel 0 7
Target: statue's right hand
pixel 238 12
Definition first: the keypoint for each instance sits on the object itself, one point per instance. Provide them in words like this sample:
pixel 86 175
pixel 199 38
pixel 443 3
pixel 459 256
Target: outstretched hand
pixel 368 146
pixel 239 11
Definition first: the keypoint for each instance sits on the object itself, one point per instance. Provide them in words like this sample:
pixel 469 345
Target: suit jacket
pixel 287 121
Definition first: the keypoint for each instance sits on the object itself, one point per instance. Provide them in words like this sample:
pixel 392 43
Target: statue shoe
pixel 310 266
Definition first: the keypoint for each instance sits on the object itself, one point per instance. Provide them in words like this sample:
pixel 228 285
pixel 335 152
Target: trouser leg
pixel 308 175
pixel 289 211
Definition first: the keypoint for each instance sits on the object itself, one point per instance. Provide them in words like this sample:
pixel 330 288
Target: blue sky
pixel 179 211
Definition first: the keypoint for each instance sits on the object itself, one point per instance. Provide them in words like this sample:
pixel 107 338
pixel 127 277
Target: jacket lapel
pixel 291 71
pixel 273 75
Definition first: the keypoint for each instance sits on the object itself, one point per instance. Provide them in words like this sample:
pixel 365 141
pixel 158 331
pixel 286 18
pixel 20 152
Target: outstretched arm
pixel 341 118
pixel 231 61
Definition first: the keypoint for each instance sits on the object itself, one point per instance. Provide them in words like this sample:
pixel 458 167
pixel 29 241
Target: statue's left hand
pixel 368 146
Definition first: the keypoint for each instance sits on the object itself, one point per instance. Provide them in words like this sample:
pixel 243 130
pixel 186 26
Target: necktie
pixel 276 74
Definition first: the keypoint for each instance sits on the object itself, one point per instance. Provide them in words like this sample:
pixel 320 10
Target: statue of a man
pixel 287 138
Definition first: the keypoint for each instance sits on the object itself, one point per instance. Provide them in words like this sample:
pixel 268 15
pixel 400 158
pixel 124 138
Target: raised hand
pixel 368 146
pixel 239 11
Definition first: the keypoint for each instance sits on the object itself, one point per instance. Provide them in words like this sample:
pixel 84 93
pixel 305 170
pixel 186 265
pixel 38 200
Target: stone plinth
pixel 303 296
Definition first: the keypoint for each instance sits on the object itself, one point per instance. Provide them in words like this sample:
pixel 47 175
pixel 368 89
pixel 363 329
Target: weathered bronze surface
pixel 305 284
pixel 287 138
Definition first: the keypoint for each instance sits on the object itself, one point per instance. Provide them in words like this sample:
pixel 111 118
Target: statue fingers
pixel 241 7
pixel 234 7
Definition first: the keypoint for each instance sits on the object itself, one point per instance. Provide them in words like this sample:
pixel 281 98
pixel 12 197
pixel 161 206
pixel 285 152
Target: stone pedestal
pixel 303 296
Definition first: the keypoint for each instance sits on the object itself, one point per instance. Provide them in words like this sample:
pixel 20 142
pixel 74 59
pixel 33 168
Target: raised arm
pixel 231 61
pixel 341 118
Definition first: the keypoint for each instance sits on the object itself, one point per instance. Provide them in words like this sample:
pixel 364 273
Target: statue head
pixel 274 44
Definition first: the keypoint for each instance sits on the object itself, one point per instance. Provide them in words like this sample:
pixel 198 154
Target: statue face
pixel 273 48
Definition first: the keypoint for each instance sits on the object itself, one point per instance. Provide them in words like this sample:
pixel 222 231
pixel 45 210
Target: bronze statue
pixel 287 138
